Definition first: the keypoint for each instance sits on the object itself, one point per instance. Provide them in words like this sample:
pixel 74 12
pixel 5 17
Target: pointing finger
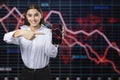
pixel 39 33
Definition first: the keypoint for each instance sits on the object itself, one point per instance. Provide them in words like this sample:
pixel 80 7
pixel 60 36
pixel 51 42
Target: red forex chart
pixel 90 48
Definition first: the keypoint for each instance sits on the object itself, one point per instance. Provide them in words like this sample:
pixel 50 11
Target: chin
pixel 35 25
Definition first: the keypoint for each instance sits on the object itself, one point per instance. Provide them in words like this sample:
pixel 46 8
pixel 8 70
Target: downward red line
pixel 86 46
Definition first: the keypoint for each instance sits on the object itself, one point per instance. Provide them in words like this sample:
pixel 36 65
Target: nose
pixel 32 18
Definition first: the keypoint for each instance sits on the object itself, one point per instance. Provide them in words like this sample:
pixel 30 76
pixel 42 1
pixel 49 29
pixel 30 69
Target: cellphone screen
pixel 56 33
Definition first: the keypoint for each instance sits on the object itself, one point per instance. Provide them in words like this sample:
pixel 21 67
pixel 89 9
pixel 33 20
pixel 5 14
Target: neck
pixel 34 28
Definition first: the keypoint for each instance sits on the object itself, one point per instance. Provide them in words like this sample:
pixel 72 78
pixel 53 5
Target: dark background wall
pixel 90 49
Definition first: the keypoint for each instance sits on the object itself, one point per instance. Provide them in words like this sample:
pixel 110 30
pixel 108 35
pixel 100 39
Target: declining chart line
pixel 97 60
pixel 10 13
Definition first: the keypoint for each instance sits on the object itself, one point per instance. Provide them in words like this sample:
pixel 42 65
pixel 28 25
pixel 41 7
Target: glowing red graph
pixel 66 58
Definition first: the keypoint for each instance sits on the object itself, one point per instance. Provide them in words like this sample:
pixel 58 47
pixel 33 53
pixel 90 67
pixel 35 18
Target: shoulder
pixel 45 28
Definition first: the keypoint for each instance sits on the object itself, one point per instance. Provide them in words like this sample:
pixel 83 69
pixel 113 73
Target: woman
pixel 35 41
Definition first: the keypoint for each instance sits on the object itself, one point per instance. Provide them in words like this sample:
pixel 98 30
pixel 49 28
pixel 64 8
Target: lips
pixel 33 22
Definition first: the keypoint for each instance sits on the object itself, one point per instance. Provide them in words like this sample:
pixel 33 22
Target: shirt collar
pixel 41 27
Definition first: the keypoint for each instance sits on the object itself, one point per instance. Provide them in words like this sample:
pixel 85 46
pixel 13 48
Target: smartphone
pixel 56 33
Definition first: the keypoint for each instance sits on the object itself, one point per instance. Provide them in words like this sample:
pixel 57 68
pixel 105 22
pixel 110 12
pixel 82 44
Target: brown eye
pixel 29 15
pixel 36 14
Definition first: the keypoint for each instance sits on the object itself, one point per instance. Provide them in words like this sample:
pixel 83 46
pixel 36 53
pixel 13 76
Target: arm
pixel 50 49
pixel 9 38
pixel 25 33
pixel 13 37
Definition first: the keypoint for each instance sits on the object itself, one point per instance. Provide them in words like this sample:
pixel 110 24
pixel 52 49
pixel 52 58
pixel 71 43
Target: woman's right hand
pixel 25 33
pixel 28 34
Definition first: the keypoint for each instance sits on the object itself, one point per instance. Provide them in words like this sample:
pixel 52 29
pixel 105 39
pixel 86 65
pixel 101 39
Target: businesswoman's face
pixel 34 17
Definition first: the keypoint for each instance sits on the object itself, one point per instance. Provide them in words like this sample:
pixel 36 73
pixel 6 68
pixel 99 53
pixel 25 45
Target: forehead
pixel 32 11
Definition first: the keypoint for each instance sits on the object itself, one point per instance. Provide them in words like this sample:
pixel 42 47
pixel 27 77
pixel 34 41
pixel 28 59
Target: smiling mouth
pixel 33 22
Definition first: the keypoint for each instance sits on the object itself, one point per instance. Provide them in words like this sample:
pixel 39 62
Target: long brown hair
pixel 34 6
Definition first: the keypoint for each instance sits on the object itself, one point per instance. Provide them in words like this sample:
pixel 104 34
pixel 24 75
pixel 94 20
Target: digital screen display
pixel 90 47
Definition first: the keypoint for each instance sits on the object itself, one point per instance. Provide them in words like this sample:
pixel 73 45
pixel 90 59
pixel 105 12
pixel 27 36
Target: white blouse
pixel 37 52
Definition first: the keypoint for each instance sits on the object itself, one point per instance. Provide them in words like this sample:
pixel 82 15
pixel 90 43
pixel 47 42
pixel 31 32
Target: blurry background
pixel 90 48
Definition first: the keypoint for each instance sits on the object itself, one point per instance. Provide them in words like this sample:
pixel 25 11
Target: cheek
pixel 39 19
pixel 28 18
